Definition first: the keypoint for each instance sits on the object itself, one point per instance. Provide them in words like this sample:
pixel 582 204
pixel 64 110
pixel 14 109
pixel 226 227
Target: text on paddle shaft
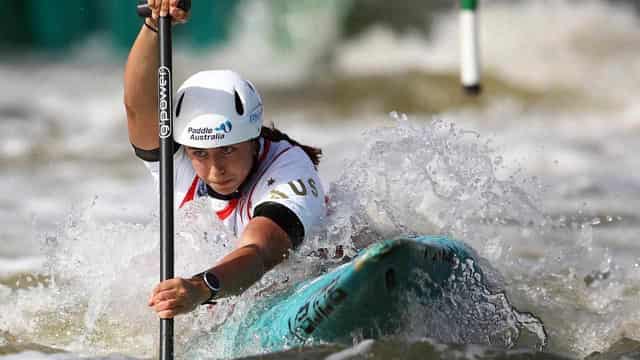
pixel 164 102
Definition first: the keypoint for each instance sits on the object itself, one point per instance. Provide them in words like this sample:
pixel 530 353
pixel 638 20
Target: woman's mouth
pixel 222 183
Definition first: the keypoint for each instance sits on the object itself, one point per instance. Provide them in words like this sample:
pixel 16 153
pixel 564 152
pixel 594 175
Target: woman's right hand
pixel 167 7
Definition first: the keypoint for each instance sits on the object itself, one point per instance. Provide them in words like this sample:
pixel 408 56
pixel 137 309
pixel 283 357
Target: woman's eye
pixel 227 150
pixel 200 154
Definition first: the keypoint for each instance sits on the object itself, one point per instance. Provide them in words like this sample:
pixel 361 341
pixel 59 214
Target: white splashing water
pixel 100 275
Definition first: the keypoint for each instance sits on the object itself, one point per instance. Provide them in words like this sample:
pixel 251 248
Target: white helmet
pixel 216 108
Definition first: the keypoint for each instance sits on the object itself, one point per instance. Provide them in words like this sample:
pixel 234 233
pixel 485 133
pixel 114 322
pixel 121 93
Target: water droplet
pixel 595 221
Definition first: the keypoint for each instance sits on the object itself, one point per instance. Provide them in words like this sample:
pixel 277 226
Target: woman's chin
pixel 225 189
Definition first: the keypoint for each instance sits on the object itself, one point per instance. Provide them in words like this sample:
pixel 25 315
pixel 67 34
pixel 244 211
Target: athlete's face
pixel 224 168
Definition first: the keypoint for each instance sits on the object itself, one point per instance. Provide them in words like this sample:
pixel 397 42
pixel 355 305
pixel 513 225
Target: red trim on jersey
pixel 259 177
pixel 231 206
pixel 191 193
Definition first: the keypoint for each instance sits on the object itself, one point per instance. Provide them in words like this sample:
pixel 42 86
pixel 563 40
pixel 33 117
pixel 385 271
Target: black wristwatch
pixel 212 283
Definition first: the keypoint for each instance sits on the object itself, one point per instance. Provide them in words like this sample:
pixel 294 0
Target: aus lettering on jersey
pixel 297 187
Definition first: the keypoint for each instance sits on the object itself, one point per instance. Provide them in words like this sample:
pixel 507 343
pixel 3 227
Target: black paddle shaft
pixel 165 124
pixel 165 111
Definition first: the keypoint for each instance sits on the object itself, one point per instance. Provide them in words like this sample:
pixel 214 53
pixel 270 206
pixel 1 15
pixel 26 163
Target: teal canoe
pixel 366 295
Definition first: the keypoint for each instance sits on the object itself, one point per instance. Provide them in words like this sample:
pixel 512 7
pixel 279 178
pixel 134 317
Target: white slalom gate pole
pixel 469 47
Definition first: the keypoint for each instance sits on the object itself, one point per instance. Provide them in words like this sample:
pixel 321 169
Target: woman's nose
pixel 218 167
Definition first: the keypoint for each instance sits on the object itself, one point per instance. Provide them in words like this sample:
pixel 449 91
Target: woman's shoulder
pixel 285 154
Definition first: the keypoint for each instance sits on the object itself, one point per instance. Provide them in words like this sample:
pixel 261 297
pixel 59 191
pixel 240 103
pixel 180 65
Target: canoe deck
pixel 367 294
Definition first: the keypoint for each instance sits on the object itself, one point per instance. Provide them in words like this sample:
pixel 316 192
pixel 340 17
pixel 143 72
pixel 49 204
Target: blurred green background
pixel 57 25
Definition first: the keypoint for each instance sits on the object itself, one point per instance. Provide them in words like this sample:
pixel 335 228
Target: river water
pixel 539 176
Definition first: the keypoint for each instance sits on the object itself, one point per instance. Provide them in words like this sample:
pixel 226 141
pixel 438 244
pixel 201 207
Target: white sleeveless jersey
pixel 284 175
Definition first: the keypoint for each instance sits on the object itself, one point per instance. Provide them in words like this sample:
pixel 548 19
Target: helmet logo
pixel 256 115
pixel 204 134
pixel 224 127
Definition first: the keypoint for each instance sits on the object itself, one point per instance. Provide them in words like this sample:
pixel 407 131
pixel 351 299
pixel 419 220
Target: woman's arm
pixel 262 246
pixel 140 80
pixel 140 84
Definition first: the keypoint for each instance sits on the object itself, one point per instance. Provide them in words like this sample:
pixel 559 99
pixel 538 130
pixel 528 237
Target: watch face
pixel 212 281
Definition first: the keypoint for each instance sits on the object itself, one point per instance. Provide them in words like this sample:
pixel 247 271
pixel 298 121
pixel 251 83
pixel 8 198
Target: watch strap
pixel 212 290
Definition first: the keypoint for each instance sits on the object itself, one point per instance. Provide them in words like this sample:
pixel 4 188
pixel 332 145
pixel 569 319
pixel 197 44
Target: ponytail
pixel 273 134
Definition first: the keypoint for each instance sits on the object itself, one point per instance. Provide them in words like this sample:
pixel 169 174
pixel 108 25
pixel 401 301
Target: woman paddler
pixel 260 184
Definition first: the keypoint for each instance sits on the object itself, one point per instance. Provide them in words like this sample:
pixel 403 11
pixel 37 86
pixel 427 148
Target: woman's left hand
pixel 177 296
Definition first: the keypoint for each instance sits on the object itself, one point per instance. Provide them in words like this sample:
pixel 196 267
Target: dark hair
pixel 273 134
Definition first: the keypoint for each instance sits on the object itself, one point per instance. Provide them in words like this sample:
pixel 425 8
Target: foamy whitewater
pixel 543 186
